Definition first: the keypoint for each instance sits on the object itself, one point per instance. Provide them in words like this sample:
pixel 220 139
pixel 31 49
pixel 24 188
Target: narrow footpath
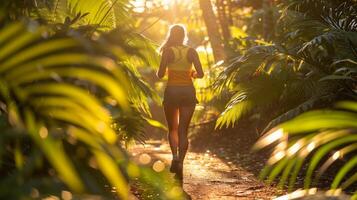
pixel 207 177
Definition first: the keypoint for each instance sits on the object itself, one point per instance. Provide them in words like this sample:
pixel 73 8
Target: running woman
pixel 180 95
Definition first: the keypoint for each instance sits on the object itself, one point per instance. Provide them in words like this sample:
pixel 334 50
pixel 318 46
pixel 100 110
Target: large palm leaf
pixel 103 14
pixel 55 95
pixel 319 138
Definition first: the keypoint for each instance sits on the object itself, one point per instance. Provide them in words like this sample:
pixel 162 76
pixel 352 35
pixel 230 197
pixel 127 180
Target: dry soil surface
pixel 207 177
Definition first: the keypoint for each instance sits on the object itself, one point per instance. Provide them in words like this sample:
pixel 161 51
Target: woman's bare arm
pixel 163 64
pixel 197 64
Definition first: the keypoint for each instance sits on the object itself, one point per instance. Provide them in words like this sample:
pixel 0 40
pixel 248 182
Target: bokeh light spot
pixel 158 166
pixel 43 132
pixel 144 159
pixel 66 195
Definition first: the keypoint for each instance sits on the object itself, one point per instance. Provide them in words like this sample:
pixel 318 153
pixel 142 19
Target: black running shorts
pixel 180 96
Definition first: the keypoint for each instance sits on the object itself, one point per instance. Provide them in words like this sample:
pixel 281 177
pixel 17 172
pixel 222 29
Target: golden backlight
pixel 141 5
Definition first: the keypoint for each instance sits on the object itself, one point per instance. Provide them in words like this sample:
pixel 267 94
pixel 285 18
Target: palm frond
pixel 259 76
pixel 319 138
pixel 59 93
pixel 307 51
pixel 102 15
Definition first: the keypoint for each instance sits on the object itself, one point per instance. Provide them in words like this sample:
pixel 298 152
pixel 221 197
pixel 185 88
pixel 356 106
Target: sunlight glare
pixel 311 146
pixel 276 135
pixel 279 155
pixel 167 3
pixel 334 192
pixel 282 146
pixel 276 157
pixel 298 194
pixel 203 49
pixel 139 5
pixel 336 155
pixel 270 138
pixel 295 148
pixel 219 62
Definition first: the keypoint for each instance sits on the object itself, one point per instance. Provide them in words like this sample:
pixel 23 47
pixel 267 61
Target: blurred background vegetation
pixel 78 85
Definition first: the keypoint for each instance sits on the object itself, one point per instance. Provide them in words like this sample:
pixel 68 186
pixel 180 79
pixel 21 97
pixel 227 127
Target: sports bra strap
pixel 180 53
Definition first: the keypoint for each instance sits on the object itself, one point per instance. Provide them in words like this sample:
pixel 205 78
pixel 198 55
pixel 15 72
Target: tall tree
pixel 223 18
pixel 212 29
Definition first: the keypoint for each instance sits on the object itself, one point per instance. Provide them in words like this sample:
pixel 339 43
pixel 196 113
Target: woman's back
pixel 180 66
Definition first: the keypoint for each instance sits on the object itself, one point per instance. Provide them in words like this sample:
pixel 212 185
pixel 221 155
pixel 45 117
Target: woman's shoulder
pixel 168 53
pixel 191 53
pixel 167 50
pixel 190 50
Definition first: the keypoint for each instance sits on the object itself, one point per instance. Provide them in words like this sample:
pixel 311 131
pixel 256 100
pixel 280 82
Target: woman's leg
pixel 172 114
pixel 185 115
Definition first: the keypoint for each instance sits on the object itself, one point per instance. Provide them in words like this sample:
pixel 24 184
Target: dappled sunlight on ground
pixel 208 177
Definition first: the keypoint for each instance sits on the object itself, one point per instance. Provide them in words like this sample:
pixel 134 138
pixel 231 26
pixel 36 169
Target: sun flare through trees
pixel 178 99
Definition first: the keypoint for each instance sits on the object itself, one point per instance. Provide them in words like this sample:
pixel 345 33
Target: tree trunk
pixel 223 19
pixel 212 29
pixel 230 8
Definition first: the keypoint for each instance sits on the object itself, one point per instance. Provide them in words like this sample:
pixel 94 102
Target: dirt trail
pixel 208 177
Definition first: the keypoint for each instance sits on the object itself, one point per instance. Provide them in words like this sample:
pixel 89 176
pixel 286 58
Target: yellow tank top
pixel 179 71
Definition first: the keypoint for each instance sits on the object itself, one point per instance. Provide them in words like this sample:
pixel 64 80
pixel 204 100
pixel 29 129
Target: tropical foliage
pixel 69 101
pixel 73 95
pixel 322 138
pixel 310 63
pixel 97 15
